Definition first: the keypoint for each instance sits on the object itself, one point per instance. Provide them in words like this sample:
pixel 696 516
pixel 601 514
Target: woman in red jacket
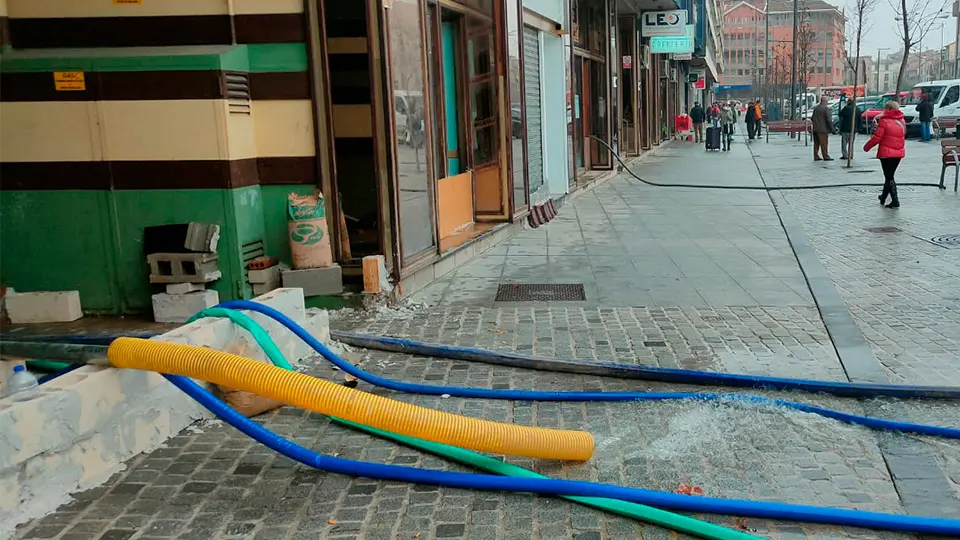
pixel 890 134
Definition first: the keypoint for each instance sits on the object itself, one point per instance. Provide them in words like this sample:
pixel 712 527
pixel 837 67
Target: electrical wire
pixel 751 188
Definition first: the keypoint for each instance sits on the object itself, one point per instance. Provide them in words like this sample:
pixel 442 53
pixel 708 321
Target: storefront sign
pixel 663 23
pixel 681 56
pixel 674 44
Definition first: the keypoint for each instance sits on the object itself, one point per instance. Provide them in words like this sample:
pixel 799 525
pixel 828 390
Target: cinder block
pixel 202 237
pixel 265 275
pixel 376 279
pixel 183 267
pixel 184 288
pixel 264 288
pixel 315 281
pixel 43 307
pixel 180 307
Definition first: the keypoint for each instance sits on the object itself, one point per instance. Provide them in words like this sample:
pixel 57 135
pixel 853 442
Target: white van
pixel 945 96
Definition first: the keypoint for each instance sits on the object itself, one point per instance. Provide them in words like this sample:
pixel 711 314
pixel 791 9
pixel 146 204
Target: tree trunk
pixel 906 48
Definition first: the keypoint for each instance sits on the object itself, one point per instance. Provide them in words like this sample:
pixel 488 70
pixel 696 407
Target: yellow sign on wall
pixel 67 81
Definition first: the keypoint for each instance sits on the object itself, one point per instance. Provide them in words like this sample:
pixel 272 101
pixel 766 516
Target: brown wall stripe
pixel 189 174
pixel 277 171
pixel 4 30
pixel 151 85
pixel 279 85
pixel 44 33
pixel 47 33
pixel 270 28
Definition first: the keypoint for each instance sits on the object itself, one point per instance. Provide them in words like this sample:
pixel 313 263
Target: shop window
pixel 415 189
pixel 483 104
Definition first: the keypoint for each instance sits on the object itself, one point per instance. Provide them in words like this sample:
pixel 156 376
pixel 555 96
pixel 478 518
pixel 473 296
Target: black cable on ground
pixel 750 188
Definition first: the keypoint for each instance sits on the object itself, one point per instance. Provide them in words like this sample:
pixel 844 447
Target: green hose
pixel 46 365
pixel 640 512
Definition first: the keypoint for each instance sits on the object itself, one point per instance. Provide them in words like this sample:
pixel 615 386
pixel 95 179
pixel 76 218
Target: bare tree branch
pixel 916 19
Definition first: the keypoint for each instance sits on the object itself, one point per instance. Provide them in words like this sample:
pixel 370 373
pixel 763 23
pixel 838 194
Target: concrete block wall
pixel 86 424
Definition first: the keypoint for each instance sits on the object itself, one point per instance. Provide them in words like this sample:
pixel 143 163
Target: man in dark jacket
pixel 925 111
pixel 849 118
pixel 751 119
pixel 697 116
pixel 822 127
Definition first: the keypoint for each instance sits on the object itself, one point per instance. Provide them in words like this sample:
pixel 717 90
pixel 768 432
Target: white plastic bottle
pixel 22 385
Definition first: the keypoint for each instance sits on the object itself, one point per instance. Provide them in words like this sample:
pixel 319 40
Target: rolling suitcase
pixel 712 138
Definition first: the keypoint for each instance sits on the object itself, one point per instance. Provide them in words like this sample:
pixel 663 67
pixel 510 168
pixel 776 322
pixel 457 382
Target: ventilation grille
pixel 237 89
pixel 251 251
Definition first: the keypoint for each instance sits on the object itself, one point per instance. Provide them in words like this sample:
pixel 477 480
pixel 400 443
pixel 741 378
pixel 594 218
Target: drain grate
pixel 654 344
pixel 947 240
pixel 541 292
pixel 860 171
pixel 883 229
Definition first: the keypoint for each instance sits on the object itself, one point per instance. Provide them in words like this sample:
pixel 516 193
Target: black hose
pixel 644 373
pixel 750 188
pixel 64 352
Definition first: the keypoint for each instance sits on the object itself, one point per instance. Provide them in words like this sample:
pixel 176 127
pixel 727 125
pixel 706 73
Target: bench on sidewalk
pixel 788 126
pixel 943 123
pixel 951 158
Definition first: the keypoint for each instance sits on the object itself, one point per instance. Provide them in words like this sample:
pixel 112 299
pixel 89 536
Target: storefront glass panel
pixel 414 189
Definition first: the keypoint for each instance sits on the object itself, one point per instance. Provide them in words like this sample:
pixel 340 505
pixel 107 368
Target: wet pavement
pixel 796 285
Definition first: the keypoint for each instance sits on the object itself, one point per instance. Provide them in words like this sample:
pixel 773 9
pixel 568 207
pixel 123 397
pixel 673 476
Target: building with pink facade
pixel 821 31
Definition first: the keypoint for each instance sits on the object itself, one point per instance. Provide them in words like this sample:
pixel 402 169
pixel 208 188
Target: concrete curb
pixel 85 425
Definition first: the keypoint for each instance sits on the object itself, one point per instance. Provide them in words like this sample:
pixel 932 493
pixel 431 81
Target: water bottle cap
pixel 18 368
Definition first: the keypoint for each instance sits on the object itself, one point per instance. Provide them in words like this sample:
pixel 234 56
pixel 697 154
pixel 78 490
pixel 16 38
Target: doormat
pixel 541 292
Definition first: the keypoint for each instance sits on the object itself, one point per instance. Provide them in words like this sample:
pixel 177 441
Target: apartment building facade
pixel 821 43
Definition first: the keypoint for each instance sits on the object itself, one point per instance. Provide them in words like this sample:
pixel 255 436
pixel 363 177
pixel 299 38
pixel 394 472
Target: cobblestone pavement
pixel 639 251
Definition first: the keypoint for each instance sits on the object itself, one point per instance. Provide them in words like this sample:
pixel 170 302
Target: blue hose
pixel 534 395
pixel 645 373
pixel 765 510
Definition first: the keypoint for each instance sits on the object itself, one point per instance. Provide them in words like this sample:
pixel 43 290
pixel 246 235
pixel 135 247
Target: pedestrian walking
pixel 727 120
pixel 925 111
pixel 750 118
pixel 849 119
pixel 822 127
pixel 758 118
pixel 714 115
pixel 697 116
pixel 890 135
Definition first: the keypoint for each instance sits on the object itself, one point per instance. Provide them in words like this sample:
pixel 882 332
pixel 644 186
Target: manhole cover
pixel 883 229
pixel 947 240
pixel 540 292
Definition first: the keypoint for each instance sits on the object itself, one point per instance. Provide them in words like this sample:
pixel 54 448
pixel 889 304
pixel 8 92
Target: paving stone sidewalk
pixel 674 278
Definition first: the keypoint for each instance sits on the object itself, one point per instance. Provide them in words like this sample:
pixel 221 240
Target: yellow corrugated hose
pixel 332 399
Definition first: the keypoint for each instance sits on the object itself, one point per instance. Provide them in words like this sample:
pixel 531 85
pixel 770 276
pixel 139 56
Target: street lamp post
pixel 793 68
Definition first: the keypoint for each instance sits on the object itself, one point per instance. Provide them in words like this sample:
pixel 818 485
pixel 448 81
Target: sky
pixel 880 27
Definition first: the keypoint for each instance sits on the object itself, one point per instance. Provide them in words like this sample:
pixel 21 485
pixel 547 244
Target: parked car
pixel 945 96
pixel 869 119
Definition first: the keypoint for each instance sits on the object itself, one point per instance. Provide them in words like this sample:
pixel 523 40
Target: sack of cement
pixel 309 237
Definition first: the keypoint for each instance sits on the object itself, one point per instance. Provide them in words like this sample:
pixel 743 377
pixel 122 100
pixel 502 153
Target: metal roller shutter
pixel 531 77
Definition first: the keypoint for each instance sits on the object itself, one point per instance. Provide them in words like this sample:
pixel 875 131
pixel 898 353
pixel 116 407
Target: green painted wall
pixel 59 240
pixel 256 58
pixel 275 239
pixel 93 240
pixel 137 209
